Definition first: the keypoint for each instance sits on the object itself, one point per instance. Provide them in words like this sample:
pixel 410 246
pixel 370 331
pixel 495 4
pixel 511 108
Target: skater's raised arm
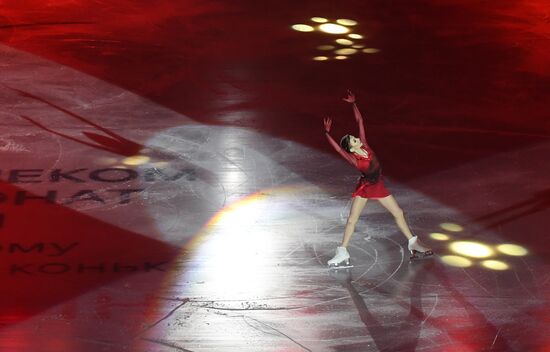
pixel 328 124
pixel 358 117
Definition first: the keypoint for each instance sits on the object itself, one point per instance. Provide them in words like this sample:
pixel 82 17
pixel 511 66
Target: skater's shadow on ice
pixel 420 280
pixel 386 336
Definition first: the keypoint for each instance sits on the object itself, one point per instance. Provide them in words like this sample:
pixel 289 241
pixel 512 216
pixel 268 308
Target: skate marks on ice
pixel 84 138
pixel 274 271
pixel 242 259
pixel 482 292
pixel 180 177
pixel 501 300
pixel 218 171
pixel 262 286
pixel 80 193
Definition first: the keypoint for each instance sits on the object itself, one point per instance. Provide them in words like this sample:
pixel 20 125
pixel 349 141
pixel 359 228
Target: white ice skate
pixel 341 259
pixel 415 247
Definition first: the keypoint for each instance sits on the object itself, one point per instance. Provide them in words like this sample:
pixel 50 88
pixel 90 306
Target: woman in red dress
pixel 370 186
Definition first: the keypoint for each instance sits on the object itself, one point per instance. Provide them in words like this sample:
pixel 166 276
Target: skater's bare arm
pixel 336 146
pixel 358 117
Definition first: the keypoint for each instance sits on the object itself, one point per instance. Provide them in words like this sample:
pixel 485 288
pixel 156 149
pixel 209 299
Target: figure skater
pixel 370 186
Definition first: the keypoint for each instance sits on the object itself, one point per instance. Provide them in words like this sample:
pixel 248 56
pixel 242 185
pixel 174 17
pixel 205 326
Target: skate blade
pixel 334 267
pixel 340 266
pixel 416 255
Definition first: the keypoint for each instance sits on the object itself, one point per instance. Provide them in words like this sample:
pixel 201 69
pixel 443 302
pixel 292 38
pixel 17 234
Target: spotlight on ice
pixel 455 260
pixel 471 249
pixel 345 51
pixel 320 58
pixel 303 28
pixel 136 160
pixel 346 22
pixel 448 226
pixel 343 41
pixel 371 50
pixel 319 19
pixel 439 236
pixel 495 265
pixel 512 249
pixel 332 28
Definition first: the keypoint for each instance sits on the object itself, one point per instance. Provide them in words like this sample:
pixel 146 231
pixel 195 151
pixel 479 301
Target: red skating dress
pixel 371 183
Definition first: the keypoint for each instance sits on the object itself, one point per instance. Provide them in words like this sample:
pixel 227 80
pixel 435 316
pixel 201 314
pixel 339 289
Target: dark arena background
pixel 166 183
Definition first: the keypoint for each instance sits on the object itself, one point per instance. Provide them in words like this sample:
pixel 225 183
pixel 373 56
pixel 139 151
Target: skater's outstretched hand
pixel 328 124
pixel 350 98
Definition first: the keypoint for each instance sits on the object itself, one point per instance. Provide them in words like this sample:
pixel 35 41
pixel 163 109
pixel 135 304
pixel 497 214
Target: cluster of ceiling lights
pixel 348 43
pixel 469 253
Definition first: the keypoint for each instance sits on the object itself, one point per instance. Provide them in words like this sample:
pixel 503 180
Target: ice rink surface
pixel 166 184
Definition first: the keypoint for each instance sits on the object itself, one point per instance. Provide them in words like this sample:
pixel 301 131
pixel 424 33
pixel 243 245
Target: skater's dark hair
pixel 344 143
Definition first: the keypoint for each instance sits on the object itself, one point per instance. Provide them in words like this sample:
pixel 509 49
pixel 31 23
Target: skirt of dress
pixel 366 189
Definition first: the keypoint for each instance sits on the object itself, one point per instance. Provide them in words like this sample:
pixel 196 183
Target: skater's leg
pixel 357 206
pixel 342 255
pixel 390 203
pixel 414 243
